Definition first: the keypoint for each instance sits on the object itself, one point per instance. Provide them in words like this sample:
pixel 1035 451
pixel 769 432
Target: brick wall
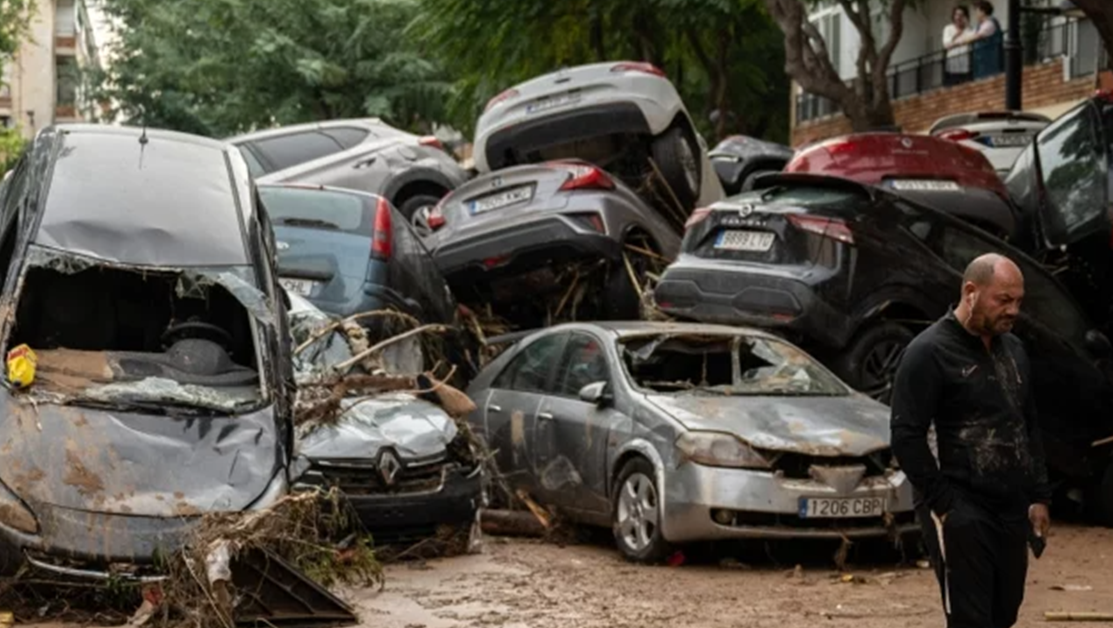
pixel 1043 86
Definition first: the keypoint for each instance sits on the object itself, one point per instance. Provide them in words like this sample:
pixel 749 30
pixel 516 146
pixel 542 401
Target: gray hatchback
pixel 674 433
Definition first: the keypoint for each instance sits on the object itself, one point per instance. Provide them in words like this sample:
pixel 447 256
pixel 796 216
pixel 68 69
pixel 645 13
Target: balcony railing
pixel 1076 39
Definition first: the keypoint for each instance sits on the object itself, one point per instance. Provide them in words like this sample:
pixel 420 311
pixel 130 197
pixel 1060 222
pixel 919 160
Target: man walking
pixel 969 376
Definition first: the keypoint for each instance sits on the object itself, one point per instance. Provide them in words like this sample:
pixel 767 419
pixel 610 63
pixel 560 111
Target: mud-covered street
pixel 538 585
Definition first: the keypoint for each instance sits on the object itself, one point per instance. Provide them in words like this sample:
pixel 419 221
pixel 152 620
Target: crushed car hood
pixel 818 426
pixel 135 464
pixel 414 428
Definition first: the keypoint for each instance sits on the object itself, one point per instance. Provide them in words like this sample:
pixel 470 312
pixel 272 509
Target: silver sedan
pixel 672 433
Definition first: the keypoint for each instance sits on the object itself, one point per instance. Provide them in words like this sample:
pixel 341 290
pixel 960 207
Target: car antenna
pixel 143 145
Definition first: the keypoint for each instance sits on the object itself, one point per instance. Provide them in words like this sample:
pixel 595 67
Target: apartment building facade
pixel 42 83
pixel 1063 56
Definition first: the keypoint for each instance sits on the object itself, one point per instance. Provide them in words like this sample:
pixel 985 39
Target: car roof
pixel 144 197
pixel 316 186
pixel 979 117
pixel 367 123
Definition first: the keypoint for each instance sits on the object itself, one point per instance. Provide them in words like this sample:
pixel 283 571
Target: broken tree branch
pixel 326 330
pixel 1076 616
pixel 347 364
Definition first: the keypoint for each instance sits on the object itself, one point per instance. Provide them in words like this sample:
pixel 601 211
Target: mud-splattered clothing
pixel 973 502
pixel 981 405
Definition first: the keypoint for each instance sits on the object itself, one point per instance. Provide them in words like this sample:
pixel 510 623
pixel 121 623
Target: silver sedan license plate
pixel 739 240
pixel 300 287
pixel 510 197
pixel 841 507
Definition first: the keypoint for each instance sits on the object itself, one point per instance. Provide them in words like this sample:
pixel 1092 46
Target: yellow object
pixel 7 620
pixel 21 370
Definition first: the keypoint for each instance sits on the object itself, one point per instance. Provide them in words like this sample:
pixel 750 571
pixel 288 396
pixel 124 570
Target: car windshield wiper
pixel 151 406
pixel 308 222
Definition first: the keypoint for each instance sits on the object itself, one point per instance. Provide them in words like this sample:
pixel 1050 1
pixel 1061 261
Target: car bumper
pixel 765 505
pixel 407 515
pixel 741 296
pixel 523 247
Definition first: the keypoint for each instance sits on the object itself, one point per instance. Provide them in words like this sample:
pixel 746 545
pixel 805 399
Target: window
pixel 253 165
pixel 290 150
pixel 68 81
pixel 1073 170
pixel 65 19
pixel 347 136
pixel 584 363
pixel 830 26
pixel 529 371
pixel 318 209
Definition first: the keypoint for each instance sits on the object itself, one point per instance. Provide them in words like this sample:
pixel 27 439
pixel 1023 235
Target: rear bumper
pixel 737 296
pixel 507 146
pixel 521 247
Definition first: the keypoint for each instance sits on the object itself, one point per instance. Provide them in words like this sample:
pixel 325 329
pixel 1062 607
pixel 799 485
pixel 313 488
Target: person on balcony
pixel 988 41
pixel 956 65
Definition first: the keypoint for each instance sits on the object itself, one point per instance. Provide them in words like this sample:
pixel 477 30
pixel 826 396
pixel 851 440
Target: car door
pixel 570 438
pixel 513 403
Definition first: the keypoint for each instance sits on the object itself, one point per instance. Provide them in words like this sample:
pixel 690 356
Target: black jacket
pixel 985 422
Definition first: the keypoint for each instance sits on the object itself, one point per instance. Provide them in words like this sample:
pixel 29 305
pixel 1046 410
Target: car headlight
pixel 14 514
pixel 716 449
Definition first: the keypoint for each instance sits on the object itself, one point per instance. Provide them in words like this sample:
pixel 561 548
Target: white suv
pixel 999 135
pixel 622 116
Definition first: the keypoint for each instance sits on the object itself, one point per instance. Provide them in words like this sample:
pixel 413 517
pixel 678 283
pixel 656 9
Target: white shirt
pixel 958 58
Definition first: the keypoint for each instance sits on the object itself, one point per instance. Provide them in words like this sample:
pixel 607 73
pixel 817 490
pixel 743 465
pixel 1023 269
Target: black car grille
pixel 363 479
pixel 795 466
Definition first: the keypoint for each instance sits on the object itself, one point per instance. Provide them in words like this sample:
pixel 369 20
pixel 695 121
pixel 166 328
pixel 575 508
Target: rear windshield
pixel 719 365
pixel 801 196
pixel 328 210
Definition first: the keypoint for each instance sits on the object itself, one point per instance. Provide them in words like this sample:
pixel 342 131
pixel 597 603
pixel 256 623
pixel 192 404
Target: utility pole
pixel 1014 62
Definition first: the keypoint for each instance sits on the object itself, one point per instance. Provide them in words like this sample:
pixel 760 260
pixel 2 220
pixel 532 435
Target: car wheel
pixel 751 179
pixel 678 156
pixel 420 204
pixel 637 514
pixel 869 362
pixel 622 301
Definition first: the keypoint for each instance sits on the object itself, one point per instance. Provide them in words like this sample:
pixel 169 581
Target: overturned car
pixel 397 456
pixel 137 266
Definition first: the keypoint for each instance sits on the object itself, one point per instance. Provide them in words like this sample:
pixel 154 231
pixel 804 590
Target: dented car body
pixel 161 388
pixel 674 433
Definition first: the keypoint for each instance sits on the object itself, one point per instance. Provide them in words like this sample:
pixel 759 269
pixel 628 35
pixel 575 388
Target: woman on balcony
pixel 987 41
pixel 956 64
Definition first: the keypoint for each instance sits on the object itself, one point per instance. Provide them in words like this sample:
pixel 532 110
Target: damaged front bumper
pixel 766 505
pixel 392 515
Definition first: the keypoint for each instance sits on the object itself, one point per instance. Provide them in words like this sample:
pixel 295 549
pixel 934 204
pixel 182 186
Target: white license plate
pixel 510 197
pixel 300 287
pixel 737 240
pixel 553 102
pixel 920 185
pixel 841 507
pixel 1011 141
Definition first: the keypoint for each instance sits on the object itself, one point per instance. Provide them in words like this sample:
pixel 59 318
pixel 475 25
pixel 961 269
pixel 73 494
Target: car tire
pixel 413 204
pixel 621 297
pixel 751 179
pixel 869 362
pixel 678 156
pixel 636 512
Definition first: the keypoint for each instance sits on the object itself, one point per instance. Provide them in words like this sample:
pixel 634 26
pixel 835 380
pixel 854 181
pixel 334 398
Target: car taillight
pixel 1104 94
pixel 638 66
pixel 957 135
pixel 697 216
pixel 510 93
pixel 382 237
pixel 584 177
pixel 431 141
pixel 819 225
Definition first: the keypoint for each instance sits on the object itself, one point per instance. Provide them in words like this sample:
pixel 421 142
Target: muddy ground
pixel 521 583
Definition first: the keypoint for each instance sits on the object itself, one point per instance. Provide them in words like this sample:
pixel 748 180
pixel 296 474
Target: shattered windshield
pixel 152 340
pixel 725 365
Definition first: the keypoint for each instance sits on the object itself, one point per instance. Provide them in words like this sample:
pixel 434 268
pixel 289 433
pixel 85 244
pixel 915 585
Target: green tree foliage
pixel 724 55
pixel 218 67
pixel 15 17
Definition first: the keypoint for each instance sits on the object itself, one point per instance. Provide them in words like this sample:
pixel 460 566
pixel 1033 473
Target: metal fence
pixel 1078 40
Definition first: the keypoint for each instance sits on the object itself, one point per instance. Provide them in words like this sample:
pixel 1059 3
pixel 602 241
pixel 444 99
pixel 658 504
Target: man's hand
pixel 1040 518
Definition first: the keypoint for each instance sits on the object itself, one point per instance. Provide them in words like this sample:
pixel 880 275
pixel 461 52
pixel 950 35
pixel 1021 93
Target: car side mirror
pixel 596 393
pixel 1097 344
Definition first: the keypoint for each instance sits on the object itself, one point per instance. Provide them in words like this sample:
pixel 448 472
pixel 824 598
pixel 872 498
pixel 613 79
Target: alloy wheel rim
pixel 880 368
pixel 637 512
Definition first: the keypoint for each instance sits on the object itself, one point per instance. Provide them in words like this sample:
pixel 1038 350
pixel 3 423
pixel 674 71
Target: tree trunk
pixel 1101 12
pixel 722 80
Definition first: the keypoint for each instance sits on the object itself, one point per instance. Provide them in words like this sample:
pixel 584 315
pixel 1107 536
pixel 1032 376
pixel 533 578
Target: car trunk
pixel 321 264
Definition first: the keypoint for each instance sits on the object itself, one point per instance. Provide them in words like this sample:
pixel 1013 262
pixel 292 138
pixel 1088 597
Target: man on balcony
pixel 956 67
pixel 988 41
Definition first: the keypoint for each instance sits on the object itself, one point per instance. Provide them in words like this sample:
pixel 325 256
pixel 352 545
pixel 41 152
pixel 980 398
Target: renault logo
pixel 496 182
pixel 745 210
pixel 389 466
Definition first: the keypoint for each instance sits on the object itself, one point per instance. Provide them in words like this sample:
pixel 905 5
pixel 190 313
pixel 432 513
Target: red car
pixel 946 175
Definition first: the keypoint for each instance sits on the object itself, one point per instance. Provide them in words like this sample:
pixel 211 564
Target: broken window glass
pixel 140 337
pixel 726 365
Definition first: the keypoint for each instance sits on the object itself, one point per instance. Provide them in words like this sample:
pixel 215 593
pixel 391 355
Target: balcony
pixel 1075 40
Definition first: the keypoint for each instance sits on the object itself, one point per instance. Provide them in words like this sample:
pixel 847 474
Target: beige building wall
pixel 41 84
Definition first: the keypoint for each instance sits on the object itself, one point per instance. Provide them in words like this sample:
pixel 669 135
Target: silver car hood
pixel 818 426
pixel 412 427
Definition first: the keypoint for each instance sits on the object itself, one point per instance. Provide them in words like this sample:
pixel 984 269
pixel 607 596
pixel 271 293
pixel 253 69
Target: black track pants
pixel 981 565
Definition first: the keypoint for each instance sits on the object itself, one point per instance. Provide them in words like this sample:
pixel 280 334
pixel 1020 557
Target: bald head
pixel 992 289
